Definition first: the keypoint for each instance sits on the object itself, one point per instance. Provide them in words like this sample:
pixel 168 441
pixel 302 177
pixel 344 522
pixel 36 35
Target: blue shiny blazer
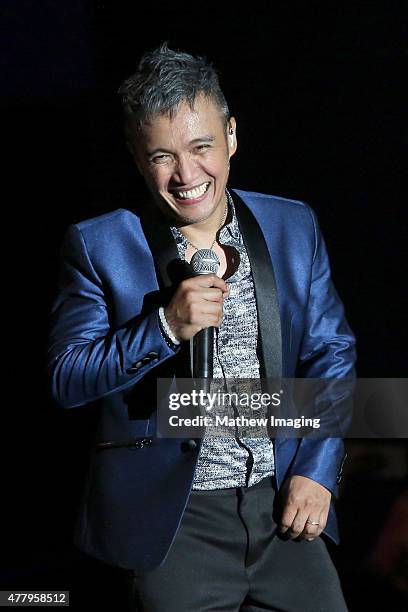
pixel 106 345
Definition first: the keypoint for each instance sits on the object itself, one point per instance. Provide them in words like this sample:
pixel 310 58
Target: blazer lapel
pixel 162 245
pixel 170 271
pixel 269 324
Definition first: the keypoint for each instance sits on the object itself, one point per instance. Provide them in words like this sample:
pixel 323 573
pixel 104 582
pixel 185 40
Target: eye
pixel 160 159
pixel 203 147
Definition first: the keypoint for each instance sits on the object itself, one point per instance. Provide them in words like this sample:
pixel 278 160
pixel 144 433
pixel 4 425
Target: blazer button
pixel 153 355
pixel 146 360
pixel 188 446
pixel 134 367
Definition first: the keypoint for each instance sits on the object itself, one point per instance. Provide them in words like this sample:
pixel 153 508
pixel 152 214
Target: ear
pixel 232 136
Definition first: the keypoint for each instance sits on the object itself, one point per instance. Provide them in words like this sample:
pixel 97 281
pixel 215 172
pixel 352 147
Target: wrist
pixel 166 329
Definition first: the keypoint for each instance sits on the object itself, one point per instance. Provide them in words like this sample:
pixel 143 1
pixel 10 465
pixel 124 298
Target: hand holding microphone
pixel 196 305
pixel 197 308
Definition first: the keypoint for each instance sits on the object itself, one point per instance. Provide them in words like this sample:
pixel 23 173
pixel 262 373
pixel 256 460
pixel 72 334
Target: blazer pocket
pixel 131 443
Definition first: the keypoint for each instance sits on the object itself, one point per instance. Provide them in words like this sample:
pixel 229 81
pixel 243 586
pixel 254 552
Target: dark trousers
pixel 228 557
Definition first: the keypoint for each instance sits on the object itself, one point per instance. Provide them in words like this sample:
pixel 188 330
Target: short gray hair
pixel 163 80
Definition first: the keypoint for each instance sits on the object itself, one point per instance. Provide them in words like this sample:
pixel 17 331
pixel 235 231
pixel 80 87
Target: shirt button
pixel 188 446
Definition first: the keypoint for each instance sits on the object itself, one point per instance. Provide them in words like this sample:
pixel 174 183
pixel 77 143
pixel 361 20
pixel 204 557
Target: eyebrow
pixel 192 142
pixel 203 139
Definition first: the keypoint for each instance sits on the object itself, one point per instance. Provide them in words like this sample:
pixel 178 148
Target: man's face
pixel 185 161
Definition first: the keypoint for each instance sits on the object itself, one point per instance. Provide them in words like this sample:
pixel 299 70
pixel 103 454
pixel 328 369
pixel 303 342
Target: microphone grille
pixel 205 261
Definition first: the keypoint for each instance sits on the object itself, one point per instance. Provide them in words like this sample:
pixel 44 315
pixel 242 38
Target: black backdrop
pixel 317 89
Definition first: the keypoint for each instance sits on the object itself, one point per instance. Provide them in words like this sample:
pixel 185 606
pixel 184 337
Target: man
pixel 198 525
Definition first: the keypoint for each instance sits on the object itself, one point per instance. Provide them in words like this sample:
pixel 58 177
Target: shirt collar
pixel 232 227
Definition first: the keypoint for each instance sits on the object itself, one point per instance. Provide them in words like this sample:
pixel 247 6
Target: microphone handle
pixel 203 349
pixel 204 261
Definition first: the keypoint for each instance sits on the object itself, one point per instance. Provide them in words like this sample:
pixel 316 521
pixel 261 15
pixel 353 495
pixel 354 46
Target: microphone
pixel 204 261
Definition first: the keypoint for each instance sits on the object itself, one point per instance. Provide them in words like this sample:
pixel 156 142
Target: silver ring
pixel 312 522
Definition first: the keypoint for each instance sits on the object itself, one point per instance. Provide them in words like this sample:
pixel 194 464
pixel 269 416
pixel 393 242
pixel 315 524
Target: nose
pixel 185 170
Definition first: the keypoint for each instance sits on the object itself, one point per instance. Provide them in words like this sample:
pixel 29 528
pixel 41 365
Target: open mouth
pixel 191 194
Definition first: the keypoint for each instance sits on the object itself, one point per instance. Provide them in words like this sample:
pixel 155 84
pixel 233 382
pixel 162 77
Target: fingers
pixel 206 287
pixel 209 280
pixel 287 519
pixel 313 528
pixel 293 522
pixel 210 294
pixel 197 304
pixel 204 314
pixel 301 525
pixel 305 509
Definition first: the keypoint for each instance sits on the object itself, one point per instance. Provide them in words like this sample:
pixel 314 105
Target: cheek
pixel 157 180
pixel 215 167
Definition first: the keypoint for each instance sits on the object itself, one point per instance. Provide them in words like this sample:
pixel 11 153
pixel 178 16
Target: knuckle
pixel 185 285
pixel 187 294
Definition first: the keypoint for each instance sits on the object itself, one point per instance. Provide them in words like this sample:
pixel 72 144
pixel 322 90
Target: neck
pixel 203 233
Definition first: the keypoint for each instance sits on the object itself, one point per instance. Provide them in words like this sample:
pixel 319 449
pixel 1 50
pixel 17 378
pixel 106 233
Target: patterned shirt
pixel 240 460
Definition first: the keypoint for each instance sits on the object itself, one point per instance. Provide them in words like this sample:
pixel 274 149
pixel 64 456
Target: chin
pixel 198 215
pixel 186 219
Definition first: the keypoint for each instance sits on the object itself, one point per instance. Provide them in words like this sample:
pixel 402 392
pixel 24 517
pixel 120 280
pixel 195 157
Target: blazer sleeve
pixel 87 359
pixel 327 352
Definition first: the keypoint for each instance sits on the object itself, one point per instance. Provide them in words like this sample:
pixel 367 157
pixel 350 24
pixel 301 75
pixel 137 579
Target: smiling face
pixel 185 161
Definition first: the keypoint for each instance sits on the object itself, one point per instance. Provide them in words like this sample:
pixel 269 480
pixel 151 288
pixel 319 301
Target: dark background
pixel 318 91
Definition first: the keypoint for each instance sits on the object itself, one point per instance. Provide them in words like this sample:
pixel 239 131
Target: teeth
pixel 193 193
